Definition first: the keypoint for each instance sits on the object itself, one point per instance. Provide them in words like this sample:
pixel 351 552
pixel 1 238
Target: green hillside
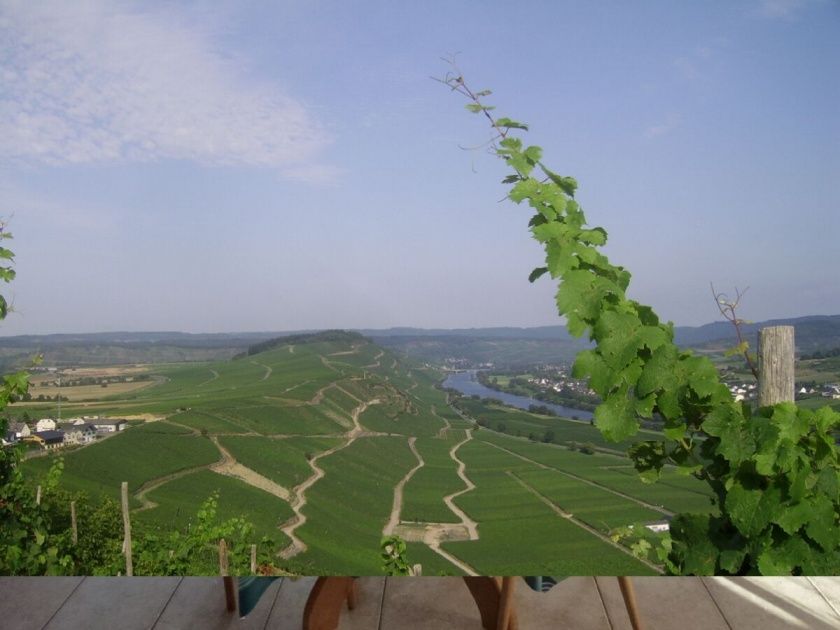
pixel 314 438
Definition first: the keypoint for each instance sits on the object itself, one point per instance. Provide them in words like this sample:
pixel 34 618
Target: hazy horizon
pixel 242 167
pixel 360 328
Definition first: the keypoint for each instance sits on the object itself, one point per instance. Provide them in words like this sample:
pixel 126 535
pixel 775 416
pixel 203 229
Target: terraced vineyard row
pixel 314 442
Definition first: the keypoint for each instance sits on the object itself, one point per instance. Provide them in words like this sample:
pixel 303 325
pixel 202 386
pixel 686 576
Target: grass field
pixel 176 499
pixel 519 533
pixel 276 410
pixel 349 506
pixel 423 494
pixel 284 461
pixel 138 455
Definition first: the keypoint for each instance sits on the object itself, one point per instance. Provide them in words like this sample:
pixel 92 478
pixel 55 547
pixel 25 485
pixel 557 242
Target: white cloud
pixel 670 122
pixel 93 81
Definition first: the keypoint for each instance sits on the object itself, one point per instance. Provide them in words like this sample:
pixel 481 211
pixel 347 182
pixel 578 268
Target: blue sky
pixel 272 166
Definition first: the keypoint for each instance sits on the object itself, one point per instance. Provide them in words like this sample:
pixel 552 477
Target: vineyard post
pixel 73 522
pixel 253 558
pixel 227 580
pixel 775 365
pixel 129 568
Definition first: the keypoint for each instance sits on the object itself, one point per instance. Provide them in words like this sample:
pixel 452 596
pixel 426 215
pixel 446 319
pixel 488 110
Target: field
pixel 235 499
pixel 315 441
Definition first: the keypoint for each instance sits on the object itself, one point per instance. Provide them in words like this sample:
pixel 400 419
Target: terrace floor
pixel 431 603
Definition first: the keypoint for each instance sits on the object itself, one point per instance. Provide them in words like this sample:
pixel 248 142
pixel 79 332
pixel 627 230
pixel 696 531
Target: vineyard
pixel 257 430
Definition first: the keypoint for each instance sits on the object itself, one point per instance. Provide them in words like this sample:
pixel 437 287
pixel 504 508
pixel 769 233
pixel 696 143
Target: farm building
pixel 107 425
pixel 20 429
pixel 48 440
pixel 45 424
pixel 79 434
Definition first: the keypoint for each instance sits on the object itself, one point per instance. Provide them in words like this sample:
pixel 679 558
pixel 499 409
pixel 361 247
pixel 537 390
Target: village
pixel 48 434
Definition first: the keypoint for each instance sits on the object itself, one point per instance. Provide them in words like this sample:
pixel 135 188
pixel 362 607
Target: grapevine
pixel 774 471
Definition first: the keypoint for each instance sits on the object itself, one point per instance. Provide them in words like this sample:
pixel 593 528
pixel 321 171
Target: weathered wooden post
pixel 253 559
pixel 227 580
pixel 73 523
pixel 775 365
pixel 38 495
pixel 129 568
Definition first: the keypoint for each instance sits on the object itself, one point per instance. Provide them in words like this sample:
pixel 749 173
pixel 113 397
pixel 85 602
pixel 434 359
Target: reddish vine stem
pixel 728 308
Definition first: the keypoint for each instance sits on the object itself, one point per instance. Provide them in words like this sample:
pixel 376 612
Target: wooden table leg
pixel 230 592
pixel 629 595
pixel 323 607
pixel 507 607
pixel 494 601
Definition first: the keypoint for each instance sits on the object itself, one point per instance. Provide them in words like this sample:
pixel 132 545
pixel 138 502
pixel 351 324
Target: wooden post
pixel 227 580
pixel 129 567
pixel 73 522
pixel 38 495
pixel 775 365
pixel 223 558
pixel 253 559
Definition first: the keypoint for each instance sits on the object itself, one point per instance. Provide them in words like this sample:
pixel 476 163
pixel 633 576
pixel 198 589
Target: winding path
pixel 211 379
pixel 375 363
pixel 298 499
pixel 445 429
pixel 267 370
pixel 433 534
pixel 398 490
pixel 154 484
pixel 230 467
pixel 471 525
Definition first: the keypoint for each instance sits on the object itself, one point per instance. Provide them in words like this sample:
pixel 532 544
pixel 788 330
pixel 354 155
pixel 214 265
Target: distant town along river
pixel 466 383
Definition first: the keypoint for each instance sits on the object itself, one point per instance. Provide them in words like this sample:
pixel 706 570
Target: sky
pixel 253 166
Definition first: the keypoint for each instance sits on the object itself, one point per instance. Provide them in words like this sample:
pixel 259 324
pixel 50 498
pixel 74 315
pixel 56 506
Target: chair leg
pixel 230 592
pixel 629 595
pixel 352 594
pixel 323 607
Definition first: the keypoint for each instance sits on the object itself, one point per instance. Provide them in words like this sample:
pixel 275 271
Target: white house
pixel 659 526
pixel 45 424
pixel 107 425
pixel 20 429
pixel 79 434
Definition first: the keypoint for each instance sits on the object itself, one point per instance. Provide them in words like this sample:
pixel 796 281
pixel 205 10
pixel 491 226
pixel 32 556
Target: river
pixel 467 383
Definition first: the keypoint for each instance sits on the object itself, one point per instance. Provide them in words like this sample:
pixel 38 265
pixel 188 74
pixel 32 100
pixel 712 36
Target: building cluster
pixel 743 391
pixel 459 363
pixel 49 434
pixel 829 390
pixel 749 391
pixel 559 380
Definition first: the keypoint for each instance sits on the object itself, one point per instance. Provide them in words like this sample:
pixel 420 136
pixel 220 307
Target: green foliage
pixel 26 544
pixel 394 557
pixel 774 471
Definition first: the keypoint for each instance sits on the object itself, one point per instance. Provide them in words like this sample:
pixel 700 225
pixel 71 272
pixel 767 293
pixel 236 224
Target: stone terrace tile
pixel 572 603
pixel 199 602
pixel 29 602
pixel 287 612
pixel 829 588
pixel 772 603
pixel 428 603
pixel 105 603
pixel 368 609
pixel 681 603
